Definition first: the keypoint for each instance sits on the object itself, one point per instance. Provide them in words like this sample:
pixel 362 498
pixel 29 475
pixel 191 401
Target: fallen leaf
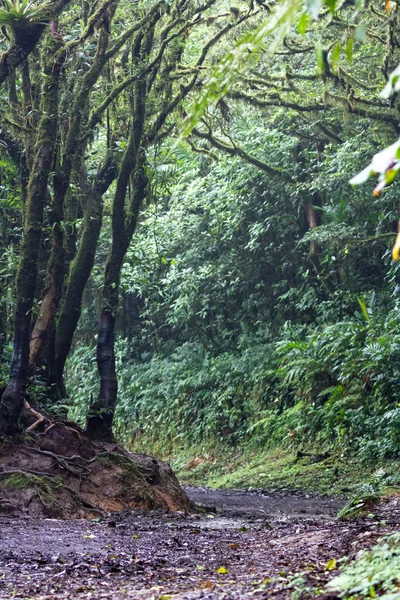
pixel 222 570
pixel 330 565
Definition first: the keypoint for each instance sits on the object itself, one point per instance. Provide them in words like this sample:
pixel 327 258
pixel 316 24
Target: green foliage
pixel 374 573
pixel 237 337
pixel 21 14
pixel 260 306
pixel 364 496
pixel 337 388
pixel 347 376
pixel 16 481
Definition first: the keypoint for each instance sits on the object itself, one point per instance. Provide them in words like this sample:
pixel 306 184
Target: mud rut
pixel 245 545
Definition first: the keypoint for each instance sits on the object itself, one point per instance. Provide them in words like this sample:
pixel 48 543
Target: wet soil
pixel 244 545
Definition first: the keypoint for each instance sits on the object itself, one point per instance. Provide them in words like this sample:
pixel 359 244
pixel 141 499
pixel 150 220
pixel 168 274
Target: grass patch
pixel 279 470
pixel 17 481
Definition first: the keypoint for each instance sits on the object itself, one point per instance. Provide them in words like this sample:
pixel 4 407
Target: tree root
pixel 83 502
pixel 39 416
pixel 63 462
pixel 51 478
pixel 24 471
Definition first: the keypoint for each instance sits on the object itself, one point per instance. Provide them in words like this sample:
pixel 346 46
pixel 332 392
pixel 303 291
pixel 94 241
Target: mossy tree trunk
pixel 124 220
pixel 82 265
pixel 12 399
pixel 125 214
pixel 46 321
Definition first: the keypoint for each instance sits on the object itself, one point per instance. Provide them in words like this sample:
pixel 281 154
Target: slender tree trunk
pixel 3 322
pixel 82 266
pixel 12 399
pixel 312 223
pixel 99 423
pixel 124 221
pixel 45 323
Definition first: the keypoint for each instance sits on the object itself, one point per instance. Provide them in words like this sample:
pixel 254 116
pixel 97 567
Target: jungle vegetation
pixel 184 262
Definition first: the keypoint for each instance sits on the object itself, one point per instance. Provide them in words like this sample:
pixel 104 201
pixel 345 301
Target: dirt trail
pixel 245 544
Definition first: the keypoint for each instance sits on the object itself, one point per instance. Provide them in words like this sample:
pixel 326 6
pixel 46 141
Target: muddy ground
pixel 244 545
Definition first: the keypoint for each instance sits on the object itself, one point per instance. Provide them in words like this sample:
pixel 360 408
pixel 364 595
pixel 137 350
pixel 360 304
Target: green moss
pixel 18 481
pixel 276 470
pixel 131 470
pixel 45 489
pixel 43 485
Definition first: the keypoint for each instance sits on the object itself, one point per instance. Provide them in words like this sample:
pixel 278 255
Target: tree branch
pixel 238 151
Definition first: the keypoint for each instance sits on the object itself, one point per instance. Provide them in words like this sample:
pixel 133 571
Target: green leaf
pixel 331 5
pixel 303 23
pixel 391 174
pixel 320 58
pixel 365 313
pixel 349 49
pixel 336 54
pixel 330 565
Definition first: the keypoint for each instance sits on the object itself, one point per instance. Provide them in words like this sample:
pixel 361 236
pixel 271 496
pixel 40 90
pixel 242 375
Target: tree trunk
pixel 12 400
pixel 99 421
pixel 45 323
pixel 3 323
pixel 312 224
pixel 82 266
pixel 124 221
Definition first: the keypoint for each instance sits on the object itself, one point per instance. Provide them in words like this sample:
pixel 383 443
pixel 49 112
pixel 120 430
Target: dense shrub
pixel 335 387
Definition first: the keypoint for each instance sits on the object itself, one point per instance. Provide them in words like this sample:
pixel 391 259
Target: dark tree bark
pixel 124 221
pixel 82 265
pixel 99 423
pixel 45 324
pixel 12 399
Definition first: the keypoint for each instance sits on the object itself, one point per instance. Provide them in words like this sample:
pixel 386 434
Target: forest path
pixel 246 545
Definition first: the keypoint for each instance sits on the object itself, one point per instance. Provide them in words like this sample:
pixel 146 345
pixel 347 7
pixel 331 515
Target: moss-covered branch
pixel 234 150
pixel 12 399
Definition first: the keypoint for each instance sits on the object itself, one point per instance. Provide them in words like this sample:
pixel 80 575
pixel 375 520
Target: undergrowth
pixel 334 388
pixel 374 573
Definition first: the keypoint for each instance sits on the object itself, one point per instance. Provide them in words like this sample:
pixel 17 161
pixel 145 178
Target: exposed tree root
pixel 40 418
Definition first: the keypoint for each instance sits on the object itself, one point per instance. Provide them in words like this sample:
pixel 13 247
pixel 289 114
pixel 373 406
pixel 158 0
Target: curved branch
pixel 278 101
pixel 238 151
